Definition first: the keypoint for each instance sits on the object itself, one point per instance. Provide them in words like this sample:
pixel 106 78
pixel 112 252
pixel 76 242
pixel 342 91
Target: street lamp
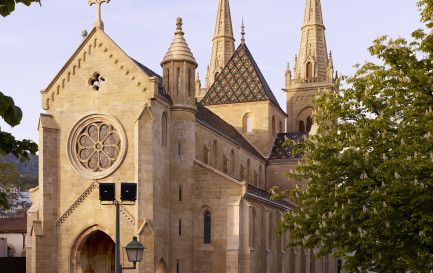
pixel 128 194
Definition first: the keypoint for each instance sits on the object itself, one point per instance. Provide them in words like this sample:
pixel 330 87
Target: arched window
pixel 178 81
pixel 225 164
pixel 206 154
pixel 273 125
pixel 309 124
pixel 232 158
pixel 255 179
pixel 215 147
pixel 309 70
pixel 281 127
pixel 164 129
pixel 242 172
pixel 248 170
pixel 260 177
pixel 301 126
pixel 216 76
pixel 207 227
pixel 247 123
pixel 167 88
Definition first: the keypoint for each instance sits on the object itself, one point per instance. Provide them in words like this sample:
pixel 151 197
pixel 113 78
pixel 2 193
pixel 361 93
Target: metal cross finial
pixel 98 22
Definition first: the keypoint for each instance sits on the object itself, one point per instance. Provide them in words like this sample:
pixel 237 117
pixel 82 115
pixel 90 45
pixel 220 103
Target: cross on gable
pixel 98 22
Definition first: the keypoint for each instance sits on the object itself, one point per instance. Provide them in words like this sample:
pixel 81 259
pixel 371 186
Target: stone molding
pixel 77 203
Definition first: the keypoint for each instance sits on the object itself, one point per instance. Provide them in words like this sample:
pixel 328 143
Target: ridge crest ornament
pixel 97 146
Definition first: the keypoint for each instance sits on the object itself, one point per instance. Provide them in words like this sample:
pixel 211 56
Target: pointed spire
pixel 313 55
pixel 313 13
pixel 288 76
pixel 179 49
pixel 223 26
pixel 242 32
pixel 223 42
pixel 197 86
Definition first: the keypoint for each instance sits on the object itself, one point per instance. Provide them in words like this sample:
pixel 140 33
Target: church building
pixel 203 158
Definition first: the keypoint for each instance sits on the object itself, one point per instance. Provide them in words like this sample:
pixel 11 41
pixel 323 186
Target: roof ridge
pixel 241 80
pixel 262 79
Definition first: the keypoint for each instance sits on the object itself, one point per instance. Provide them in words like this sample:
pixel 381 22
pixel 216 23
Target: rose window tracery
pixel 98 146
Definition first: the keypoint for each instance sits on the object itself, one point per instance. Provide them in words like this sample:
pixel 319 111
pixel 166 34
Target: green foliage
pixel 3 201
pixel 370 195
pixel 12 115
pixel 9 180
pixel 8 6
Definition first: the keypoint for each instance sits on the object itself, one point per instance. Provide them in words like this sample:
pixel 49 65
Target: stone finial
pixel 179 50
pixel 242 33
pixel 84 35
pixel 98 22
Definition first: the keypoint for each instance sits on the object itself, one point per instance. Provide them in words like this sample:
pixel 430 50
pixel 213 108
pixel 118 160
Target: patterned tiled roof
pixel 214 122
pixel 281 151
pixel 240 81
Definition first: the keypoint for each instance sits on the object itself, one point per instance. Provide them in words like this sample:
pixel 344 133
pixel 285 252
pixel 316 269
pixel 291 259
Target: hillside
pixel 28 168
pixel 28 171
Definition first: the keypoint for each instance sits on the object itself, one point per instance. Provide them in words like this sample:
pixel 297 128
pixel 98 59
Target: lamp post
pixel 128 193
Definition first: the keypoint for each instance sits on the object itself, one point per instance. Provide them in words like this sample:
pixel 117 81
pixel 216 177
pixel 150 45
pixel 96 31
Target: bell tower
pixel 312 70
pixel 223 43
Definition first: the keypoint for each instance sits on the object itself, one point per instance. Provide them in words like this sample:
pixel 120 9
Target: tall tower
pixel 312 70
pixel 223 42
pixel 179 70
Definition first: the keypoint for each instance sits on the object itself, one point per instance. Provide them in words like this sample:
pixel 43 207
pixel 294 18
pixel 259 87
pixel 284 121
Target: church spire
pixel 313 54
pixel 223 42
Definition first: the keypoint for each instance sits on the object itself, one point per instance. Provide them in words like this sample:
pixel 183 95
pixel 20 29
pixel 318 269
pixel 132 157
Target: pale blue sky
pixel 35 42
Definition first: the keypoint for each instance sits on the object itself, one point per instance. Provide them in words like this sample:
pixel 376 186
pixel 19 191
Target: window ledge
pixel 206 247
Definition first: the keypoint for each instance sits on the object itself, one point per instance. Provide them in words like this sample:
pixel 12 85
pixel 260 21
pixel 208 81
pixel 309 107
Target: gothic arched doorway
pixel 93 252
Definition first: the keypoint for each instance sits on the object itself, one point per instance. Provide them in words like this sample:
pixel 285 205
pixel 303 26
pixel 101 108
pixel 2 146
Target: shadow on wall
pixel 13 265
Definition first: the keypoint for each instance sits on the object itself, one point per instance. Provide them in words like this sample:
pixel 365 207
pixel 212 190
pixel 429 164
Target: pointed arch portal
pixel 93 251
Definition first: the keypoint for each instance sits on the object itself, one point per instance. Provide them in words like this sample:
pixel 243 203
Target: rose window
pixel 98 146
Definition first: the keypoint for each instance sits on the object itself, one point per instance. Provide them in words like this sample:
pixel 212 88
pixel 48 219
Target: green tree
pixel 9 180
pixel 370 193
pixel 8 6
pixel 12 115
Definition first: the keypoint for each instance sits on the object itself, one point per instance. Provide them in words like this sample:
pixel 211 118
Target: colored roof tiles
pixel 240 81
pixel 281 151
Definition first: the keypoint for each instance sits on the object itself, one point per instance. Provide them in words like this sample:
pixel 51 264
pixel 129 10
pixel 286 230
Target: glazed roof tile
pixel 282 151
pixel 240 81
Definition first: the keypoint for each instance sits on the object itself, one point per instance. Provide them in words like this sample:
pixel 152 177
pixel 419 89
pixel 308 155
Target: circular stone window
pixel 96 146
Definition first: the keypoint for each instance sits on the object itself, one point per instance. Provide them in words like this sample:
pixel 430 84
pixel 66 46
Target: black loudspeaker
pixel 128 192
pixel 107 191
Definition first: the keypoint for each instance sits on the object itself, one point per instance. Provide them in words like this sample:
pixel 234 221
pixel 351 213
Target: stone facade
pixel 202 173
